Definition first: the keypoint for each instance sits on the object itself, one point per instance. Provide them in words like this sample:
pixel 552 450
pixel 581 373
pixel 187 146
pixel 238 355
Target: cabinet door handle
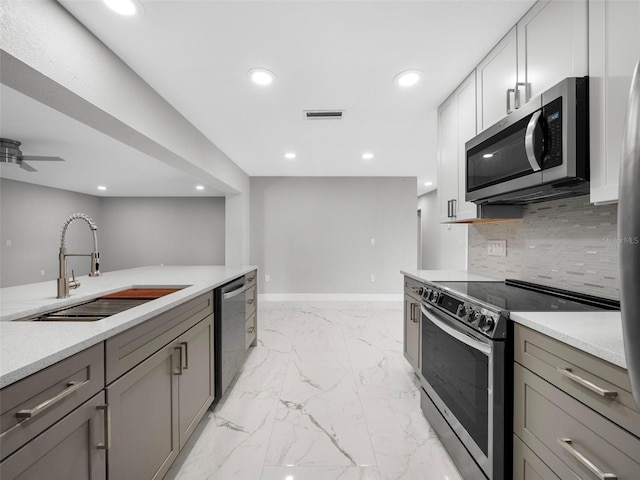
pixel 106 445
pixel 586 383
pixel 37 410
pixel 454 205
pixel 566 444
pixel 517 94
pixel 179 350
pixel 185 345
pixel 251 330
pixel 414 312
pixel 509 92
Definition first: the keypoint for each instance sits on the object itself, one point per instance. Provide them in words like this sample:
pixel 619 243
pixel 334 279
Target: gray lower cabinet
pixel 411 323
pixel 572 415
pixel 72 448
pixel 251 308
pixel 156 406
pixel 527 465
pixel 144 418
pixel 196 386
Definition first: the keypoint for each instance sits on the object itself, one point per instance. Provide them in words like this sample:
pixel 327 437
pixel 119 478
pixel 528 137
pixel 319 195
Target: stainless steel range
pixel 467 364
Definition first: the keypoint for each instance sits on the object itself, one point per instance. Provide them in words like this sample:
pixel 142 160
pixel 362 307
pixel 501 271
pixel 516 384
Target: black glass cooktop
pixel 517 296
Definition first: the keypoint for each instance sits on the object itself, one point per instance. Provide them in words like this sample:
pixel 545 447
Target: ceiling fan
pixel 10 153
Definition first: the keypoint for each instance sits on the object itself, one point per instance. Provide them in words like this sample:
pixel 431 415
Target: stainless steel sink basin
pixel 105 306
pixel 91 311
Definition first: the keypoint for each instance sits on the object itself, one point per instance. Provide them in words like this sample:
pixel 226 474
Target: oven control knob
pixel 480 319
pixel 462 311
pixel 421 291
pixel 488 324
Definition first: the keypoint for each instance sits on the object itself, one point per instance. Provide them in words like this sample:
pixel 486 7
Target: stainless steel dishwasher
pixel 229 321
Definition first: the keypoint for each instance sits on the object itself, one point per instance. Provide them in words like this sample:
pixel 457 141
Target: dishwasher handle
pixel 233 293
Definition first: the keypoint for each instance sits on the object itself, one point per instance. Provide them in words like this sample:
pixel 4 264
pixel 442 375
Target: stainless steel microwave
pixel 539 152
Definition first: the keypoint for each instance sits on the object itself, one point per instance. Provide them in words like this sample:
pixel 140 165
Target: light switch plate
pixel 497 248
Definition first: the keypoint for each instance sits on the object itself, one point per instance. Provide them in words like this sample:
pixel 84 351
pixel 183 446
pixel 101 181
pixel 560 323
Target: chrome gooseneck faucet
pixel 64 284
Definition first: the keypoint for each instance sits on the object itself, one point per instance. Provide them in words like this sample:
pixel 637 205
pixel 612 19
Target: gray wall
pixel 131 231
pixel 444 246
pixel 312 235
pixel 32 217
pixel 569 244
pixel 173 231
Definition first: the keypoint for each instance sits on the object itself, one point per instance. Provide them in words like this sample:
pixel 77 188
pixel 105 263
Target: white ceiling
pixel 326 54
pixel 91 158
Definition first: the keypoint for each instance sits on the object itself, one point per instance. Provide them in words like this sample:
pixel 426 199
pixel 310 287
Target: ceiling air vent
pixel 323 114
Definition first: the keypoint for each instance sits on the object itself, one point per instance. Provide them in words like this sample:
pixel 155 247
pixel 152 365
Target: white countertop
pixel 26 347
pixel 448 276
pixel 597 333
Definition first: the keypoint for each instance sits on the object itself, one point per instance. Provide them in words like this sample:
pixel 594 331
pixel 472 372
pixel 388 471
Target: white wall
pixel 444 246
pixel 311 235
pixel 47 54
pixel 132 232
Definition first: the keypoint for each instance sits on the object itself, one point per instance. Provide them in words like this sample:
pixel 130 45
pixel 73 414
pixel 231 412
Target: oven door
pixel 508 156
pixel 458 375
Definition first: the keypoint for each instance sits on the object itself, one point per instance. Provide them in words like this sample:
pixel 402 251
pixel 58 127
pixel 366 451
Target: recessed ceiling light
pixel 199 187
pixel 123 7
pixel 367 156
pixel 408 78
pixel 261 76
pixel 102 187
pixel 487 155
pixel 289 155
pixel 428 184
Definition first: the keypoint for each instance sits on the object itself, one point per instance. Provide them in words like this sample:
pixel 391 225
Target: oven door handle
pixel 467 340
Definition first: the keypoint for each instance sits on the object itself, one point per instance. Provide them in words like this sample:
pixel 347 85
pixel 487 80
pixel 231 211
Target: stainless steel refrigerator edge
pixel 229 325
pixel 629 235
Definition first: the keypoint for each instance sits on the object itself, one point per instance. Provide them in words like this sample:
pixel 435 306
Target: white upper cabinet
pixel 614 50
pixel 552 45
pixel 496 77
pixel 547 45
pixel 456 125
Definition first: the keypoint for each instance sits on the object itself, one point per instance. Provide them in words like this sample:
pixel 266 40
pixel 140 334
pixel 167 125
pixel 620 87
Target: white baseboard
pixel 330 297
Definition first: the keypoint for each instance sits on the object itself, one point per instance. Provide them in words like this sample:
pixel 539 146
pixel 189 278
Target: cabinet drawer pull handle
pixel 586 383
pixel 250 301
pixel 566 444
pixel 71 387
pixel 106 445
pixel 251 329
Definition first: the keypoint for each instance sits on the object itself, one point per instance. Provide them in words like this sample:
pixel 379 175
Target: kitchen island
pixel 27 347
pixel 135 383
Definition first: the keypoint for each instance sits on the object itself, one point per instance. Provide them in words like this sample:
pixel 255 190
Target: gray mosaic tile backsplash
pixel 568 243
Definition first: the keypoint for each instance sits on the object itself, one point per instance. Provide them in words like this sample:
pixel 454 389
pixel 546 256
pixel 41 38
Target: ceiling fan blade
pixel 38 158
pixel 26 167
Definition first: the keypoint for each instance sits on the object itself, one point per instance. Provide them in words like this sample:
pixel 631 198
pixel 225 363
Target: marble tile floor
pixel 325 395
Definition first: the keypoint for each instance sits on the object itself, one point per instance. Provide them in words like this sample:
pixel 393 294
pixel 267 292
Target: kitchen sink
pixel 104 306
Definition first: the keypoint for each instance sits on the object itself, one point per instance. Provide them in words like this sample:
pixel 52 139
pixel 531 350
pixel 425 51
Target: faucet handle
pixel 73 283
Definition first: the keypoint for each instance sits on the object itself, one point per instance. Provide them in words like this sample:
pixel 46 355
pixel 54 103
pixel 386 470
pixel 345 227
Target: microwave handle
pixel 528 141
